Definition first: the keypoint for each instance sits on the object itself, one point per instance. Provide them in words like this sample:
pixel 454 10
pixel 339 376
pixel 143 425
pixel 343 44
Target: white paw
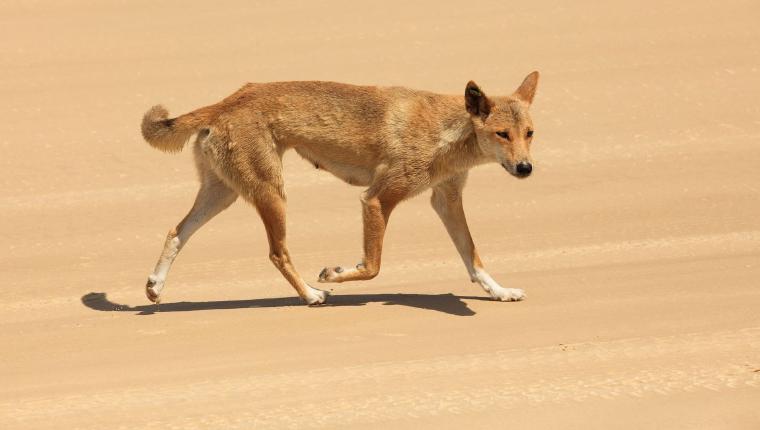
pixel 153 289
pixel 315 297
pixel 507 294
pixel 495 290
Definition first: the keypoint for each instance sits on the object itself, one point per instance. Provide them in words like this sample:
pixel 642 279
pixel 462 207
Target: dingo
pixel 395 141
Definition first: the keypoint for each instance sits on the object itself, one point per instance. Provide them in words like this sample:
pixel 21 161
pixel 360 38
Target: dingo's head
pixel 503 126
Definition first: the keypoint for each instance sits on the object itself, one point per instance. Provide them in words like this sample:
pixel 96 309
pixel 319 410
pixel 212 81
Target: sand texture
pixel 637 239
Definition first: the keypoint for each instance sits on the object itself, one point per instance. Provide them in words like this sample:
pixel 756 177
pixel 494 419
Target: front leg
pixel 447 202
pixel 375 211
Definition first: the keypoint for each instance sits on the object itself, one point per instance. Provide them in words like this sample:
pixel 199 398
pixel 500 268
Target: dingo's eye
pixel 504 134
pixel 529 133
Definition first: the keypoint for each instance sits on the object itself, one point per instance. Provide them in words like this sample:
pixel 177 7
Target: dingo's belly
pixel 349 171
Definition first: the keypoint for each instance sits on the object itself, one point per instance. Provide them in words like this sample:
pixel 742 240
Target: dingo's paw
pixel 507 294
pixel 153 289
pixel 315 297
pixel 330 274
pixel 495 290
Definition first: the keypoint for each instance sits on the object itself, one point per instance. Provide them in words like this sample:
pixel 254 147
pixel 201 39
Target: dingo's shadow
pixel 446 303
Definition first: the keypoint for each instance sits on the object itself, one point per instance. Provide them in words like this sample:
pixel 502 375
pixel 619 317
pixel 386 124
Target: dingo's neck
pixel 458 148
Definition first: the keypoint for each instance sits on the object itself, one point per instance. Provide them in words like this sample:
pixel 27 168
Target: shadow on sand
pixel 446 303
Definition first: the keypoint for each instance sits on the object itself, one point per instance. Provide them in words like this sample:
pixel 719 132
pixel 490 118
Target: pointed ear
pixel 528 88
pixel 476 101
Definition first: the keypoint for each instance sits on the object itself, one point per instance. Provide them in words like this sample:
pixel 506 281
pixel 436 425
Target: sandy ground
pixel 637 239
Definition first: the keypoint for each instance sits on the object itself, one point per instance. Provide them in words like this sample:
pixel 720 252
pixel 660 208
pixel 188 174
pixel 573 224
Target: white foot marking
pixel 495 290
pixel 153 288
pixel 314 296
pixel 508 294
pixel 157 279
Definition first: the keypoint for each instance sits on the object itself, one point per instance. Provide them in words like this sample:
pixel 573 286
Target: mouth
pixel 513 172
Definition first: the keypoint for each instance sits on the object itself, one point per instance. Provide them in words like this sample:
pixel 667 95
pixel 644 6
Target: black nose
pixel 524 169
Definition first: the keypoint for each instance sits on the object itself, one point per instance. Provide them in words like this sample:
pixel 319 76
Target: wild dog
pixel 396 142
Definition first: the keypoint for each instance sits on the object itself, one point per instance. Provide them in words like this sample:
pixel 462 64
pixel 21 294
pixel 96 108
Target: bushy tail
pixel 171 134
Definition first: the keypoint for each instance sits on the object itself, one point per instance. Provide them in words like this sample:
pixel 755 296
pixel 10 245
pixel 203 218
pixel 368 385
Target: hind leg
pixel 213 197
pixel 271 206
pixel 255 167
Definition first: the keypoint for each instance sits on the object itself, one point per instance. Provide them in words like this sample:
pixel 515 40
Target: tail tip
pixel 156 113
pixel 154 123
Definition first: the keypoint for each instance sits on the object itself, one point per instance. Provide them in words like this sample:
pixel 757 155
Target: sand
pixel 637 238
